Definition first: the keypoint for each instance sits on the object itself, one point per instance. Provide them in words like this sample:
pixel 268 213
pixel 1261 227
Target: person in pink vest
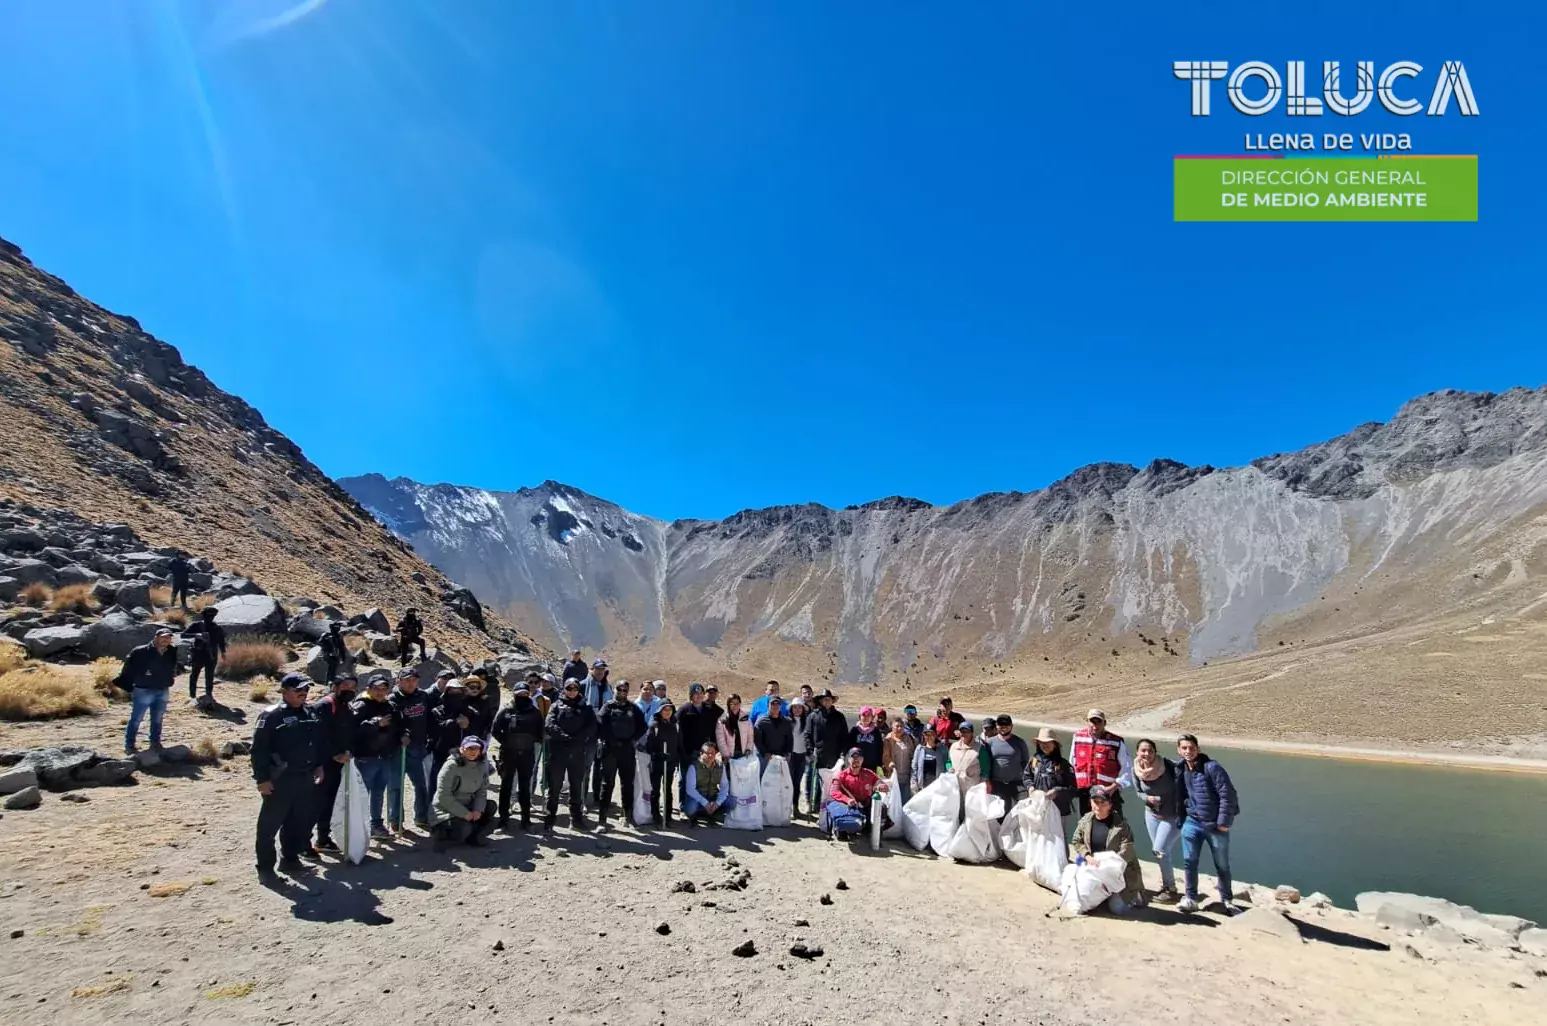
pixel 1100 760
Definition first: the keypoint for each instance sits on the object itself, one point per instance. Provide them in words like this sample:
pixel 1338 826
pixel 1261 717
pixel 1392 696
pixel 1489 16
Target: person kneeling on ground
pixel 848 800
pixel 1103 829
pixel 708 785
pixel 461 802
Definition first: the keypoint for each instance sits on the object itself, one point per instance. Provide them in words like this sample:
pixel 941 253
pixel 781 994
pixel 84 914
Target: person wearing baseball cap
pixel 911 722
pixel 848 798
pixel 147 675
pixel 1100 759
pixel 461 796
pixel 519 729
pixel 335 738
pixel 415 709
pixel 967 758
pixel 571 737
pixel 286 766
pixel 597 691
pixel 378 736
pixel 576 668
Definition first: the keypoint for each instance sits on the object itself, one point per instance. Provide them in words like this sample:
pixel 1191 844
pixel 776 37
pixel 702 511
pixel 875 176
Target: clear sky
pixel 700 256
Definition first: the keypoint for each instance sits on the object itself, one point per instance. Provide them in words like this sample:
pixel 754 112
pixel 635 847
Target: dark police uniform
pixel 286 750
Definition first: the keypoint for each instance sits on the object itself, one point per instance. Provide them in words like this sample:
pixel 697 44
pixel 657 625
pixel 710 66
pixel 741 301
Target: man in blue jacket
pixel 1211 805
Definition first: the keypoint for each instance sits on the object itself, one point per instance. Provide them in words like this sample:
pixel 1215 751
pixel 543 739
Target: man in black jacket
pixel 147 676
pixel 695 725
pixel 576 668
pixel 335 739
pixel 621 726
pixel 209 644
pixel 570 731
pixel 378 736
pixel 410 632
pixel 285 767
pixel 334 652
pixel 827 732
pixel 519 729
pixel 774 734
pixel 415 710
pixel 458 714
pixel 180 572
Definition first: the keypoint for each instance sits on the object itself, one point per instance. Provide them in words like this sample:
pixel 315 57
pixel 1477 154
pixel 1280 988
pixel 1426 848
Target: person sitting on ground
pixel 866 735
pixel 147 675
pixel 1156 780
pixel 1052 774
pixel 848 800
pixel 209 646
pixel 708 787
pixel 664 747
pixel 410 632
pixel 461 799
pixel 733 734
pixel 774 734
pixel 519 730
pixel 968 760
pixel 929 760
pixel 897 749
pixel 1103 829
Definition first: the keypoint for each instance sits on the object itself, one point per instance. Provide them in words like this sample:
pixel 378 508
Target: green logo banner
pixel 1408 188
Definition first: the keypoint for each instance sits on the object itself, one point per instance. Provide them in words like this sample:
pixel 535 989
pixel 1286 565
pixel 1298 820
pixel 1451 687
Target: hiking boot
pixel 1166 896
pixel 1187 905
pixel 291 864
pixel 327 844
pixel 1232 909
pixel 377 830
pixel 267 873
pixel 526 821
pixel 310 853
pixel 505 824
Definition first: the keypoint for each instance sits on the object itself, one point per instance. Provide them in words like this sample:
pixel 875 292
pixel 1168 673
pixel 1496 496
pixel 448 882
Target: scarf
pixel 1148 771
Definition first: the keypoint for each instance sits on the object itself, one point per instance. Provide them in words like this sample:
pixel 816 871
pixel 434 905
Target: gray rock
pixel 317 666
pixel 148 759
pixel 145 562
pixel 105 593
pixel 74 798
pixel 42 642
pixel 105 772
pixel 10 587
pixel 116 635
pixel 56 557
pixel 1398 918
pixel 176 753
pixel 250 615
pixel 465 604
pixel 226 587
pixel 1317 900
pixel 18 778
pixel 1288 894
pixel 132 594
pixel 72 574
pixel 1266 921
pixel 306 627
pixel 56 767
pixel 1533 942
pixel 1477 927
pixel 27 798
pixel 107 566
pixel 329 613
pixel 233 748
pixel 21 539
pixel 130 434
pixel 305 603
pixel 383 645
pixel 376 620
pixel 32 571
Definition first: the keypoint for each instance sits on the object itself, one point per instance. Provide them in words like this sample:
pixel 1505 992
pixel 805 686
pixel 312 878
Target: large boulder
pixel 145 562
pixel 373 620
pixel 462 602
pixel 383 645
pixel 1413 913
pixel 10 587
pixel 116 635
pixel 225 586
pixel 17 778
pixel 306 627
pixel 1265 921
pixel 72 574
pixel 21 539
pixel 31 571
pixel 317 666
pixel 55 767
pixel 106 772
pixel 250 615
pixel 107 566
pixel 42 642
pixel 56 557
pixel 105 592
pixel 132 594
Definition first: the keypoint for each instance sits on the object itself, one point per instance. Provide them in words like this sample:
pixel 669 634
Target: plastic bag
pixel 1046 851
pixel 893 807
pixel 916 815
pixel 825 780
pixel 351 825
pixel 776 793
pixel 946 812
pixel 642 792
pixel 743 807
pixel 1085 887
pixel 977 839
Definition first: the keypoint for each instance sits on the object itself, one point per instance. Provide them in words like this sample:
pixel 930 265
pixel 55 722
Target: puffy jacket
pixel 335 726
pixel 620 723
pixel 728 736
pixel 1167 787
pixel 148 669
pixel 284 743
pixel 695 725
pixel 571 723
pixel 1207 792
pixel 1119 839
pixel 518 727
pixel 1056 777
pixel 373 741
pixel 775 735
pixel 827 735
pixel 461 788
pixel 417 713
pixel 448 732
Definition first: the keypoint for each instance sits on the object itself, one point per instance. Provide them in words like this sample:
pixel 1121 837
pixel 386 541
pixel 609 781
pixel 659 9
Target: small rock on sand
pixel 841 885
pixel 805 951
pixel 663 928
pixel 26 798
pixel 746 949
pixel 826 899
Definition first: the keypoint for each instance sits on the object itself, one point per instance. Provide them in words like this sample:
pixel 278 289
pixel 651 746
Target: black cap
pixel 406 672
pixel 826 693
pixel 1004 720
pixel 295 682
pixel 346 675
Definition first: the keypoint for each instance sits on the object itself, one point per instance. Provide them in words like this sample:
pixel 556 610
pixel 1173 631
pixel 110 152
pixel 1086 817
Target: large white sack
pixel 916 814
pixel 1046 851
pixel 776 793
pixel 642 793
pixel 351 826
pixel 1084 887
pixel 945 813
pixel 744 813
pixel 893 802
pixel 977 839
pixel 825 778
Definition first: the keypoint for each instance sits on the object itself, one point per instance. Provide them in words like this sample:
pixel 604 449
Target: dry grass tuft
pixel 11 656
pixel 35 594
pixel 205 751
pixel 160 596
pixel 112 986
pixel 355 643
pixel 175 615
pixel 231 990
pixel 259 692
pixel 244 659
pixel 40 692
pixel 73 598
pixel 199 602
pixel 104 672
pixel 166 890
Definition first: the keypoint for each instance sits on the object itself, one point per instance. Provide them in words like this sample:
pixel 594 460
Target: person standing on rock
pixel 1009 771
pixel 147 676
pixel 576 668
pixel 416 713
pixel 287 768
pixel 1155 778
pixel 335 739
pixel 519 730
pixel 1100 759
pixel 378 734
pixel 571 738
pixel 461 797
pixel 181 572
pixel 597 692
pixel 708 787
pixel 209 645
pixel 410 632
pixel 760 707
pixel 335 652
pixel 1209 798
pixel 1104 829
pixel 664 746
pixel 621 726
pixel 1052 775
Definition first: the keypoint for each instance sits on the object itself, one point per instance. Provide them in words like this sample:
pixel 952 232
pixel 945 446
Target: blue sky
pixel 700 256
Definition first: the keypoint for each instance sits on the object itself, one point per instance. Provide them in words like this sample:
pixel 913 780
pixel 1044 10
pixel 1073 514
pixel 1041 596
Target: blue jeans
pixel 142 699
pixel 418 774
pixel 378 775
pixel 1164 833
pixel 1194 836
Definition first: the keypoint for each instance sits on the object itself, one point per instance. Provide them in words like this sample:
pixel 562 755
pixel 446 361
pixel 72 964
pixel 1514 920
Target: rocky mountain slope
pixel 1114 575
pixel 100 419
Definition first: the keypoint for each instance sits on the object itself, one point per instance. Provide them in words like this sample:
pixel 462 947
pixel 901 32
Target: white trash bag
pixel 744 813
pixel 776 793
pixel 825 779
pixel 893 803
pixel 977 839
pixel 918 814
pixel 946 814
pixel 1045 852
pixel 642 793
pixel 351 825
pixel 1085 887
